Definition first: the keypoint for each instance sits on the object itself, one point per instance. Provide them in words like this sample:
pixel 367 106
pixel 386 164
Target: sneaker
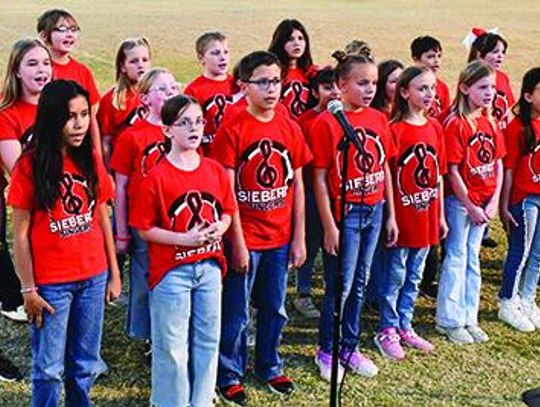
pixel 532 312
pixel 477 333
pixel 387 340
pixel 531 397
pixel 233 395
pixel 18 315
pixel 459 336
pixel 358 363
pixel 306 308
pixel 430 291
pixel 121 301
pixel 489 243
pixel 8 371
pixel 280 385
pixel 510 311
pixel 324 361
pixel 410 338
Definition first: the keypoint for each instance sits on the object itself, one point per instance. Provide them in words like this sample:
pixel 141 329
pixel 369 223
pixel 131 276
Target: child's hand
pixel 122 245
pixel 477 215
pixel 114 287
pixel 331 240
pixel 240 258
pixel 216 230
pixel 197 235
pixel 491 209
pixel 508 220
pixel 34 305
pixel 391 231
pixel 297 252
pixel 443 228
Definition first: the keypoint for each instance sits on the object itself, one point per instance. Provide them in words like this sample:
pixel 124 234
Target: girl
pixel 368 183
pixel 133 59
pixel 183 209
pixel 417 171
pixel 520 203
pixel 136 151
pixel 474 148
pixel 389 72
pixel 290 42
pixel 28 71
pixel 59 193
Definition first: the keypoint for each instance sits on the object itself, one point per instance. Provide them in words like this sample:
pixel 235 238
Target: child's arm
pixel 493 204
pixel 506 217
pixel 33 302
pixel 443 226
pixel 476 213
pixel 195 237
pixel 10 151
pixel 391 225
pixel 322 198
pixel 121 213
pixel 240 252
pixel 115 284
pixel 94 131
pixel 298 243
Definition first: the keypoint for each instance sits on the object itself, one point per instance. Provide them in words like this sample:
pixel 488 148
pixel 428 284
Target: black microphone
pixel 336 108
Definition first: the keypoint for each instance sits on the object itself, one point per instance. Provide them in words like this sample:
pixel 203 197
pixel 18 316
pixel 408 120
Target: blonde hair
pixel 12 88
pixel 358 47
pixel 123 83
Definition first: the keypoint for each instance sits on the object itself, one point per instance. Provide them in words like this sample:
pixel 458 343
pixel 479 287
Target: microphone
pixel 336 108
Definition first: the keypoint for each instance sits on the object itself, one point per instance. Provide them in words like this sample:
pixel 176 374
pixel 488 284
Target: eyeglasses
pixel 64 29
pixel 165 88
pixel 264 83
pixel 188 123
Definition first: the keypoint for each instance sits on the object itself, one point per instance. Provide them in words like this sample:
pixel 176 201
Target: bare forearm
pixel 106 229
pixel 322 199
pixel 299 210
pixel 21 247
pixel 121 206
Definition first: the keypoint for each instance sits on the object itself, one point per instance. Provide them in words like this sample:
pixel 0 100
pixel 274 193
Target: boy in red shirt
pixel 263 151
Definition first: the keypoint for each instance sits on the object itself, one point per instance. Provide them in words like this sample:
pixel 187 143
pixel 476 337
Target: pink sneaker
pixel 387 340
pixel 358 363
pixel 411 338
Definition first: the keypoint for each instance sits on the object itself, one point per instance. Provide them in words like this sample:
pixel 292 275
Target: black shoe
pixel 8 371
pixel 532 397
pixel 280 385
pixel 148 353
pixel 235 394
pixel 489 243
pixel 430 291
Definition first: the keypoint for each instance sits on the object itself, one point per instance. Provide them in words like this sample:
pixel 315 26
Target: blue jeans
pixel 266 283
pixel 362 226
pixel 304 275
pixel 67 346
pixel 138 317
pixel 458 299
pixel 399 286
pixel 186 308
pixel 522 265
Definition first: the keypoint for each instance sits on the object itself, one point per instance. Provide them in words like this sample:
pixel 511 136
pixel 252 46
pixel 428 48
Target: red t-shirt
pixel 264 157
pixel 306 121
pixel 442 99
pixel 80 73
pixel 475 151
pixel 365 174
pixel 214 97
pixel 112 120
pixel 503 100
pixel 295 92
pixel 137 150
pixel 526 166
pixel 416 174
pixel 66 241
pixel 177 200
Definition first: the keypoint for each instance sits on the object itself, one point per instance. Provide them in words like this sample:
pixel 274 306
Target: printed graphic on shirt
pixel 500 109
pixel 215 108
pixel 151 156
pixel 534 162
pixel 27 137
pixel 481 155
pixel 295 95
pixel 436 107
pixel 264 175
pixel 417 176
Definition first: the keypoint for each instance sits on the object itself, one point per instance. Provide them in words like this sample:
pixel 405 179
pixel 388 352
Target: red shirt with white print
pixel 526 165
pixel 417 167
pixel 177 200
pixel 66 241
pixel 306 121
pixel 111 119
pixel 295 92
pixel 264 156
pixel 441 102
pixel 475 151
pixel 80 73
pixel 503 100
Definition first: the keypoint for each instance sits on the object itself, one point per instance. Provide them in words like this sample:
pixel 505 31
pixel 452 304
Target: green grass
pixel 493 374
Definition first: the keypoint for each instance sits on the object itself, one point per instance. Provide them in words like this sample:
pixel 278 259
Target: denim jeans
pixel 138 317
pixel 362 226
pixel 186 308
pixel 458 299
pixel 399 286
pixel 522 265
pixel 266 284
pixel 304 275
pixel 67 346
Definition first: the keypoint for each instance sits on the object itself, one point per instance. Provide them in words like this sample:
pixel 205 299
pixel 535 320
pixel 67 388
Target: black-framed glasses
pixel 65 28
pixel 188 123
pixel 264 83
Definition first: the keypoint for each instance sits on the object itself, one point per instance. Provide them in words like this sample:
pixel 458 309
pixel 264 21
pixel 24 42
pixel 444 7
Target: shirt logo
pixel 295 95
pixel 500 109
pixel 215 108
pixel 152 154
pixel 534 162
pixel 481 155
pixel 436 107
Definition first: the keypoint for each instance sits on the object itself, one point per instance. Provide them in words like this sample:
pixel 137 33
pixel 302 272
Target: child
pixel 474 148
pixel 368 183
pixel 427 51
pixel 215 88
pixel 59 193
pixel 520 202
pixel 183 208
pixel 417 171
pixel 323 89
pixel 389 72
pixel 137 149
pixel 263 151
pixel 59 31
pixel 28 71
pixel 133 60
pixel 290 42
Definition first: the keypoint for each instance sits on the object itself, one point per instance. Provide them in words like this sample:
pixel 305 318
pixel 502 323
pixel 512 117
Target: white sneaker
pixel 18 315
pixel 459 336
pixel 531 310
pixel 477 333
pixel 510 312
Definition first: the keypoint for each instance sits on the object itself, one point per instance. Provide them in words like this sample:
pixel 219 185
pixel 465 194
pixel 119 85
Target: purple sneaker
pixel 324 361
pixel 387 340
pixel 411 338
pixel 358 363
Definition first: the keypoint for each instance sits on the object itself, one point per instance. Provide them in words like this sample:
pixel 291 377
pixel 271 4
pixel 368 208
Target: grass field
pixel 493 374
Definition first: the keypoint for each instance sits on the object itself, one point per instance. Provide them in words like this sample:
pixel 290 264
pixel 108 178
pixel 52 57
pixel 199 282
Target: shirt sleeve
pixel 8 129
pixel 21 189
pixel 453 139
pixel 323 146
pixel 105 182
pixel 514 145
pixel 91 87
pixel 123 156
pixel 301 154
pixel 145 213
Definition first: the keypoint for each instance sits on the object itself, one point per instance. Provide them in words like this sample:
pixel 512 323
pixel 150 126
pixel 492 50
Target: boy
pixel 263 151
